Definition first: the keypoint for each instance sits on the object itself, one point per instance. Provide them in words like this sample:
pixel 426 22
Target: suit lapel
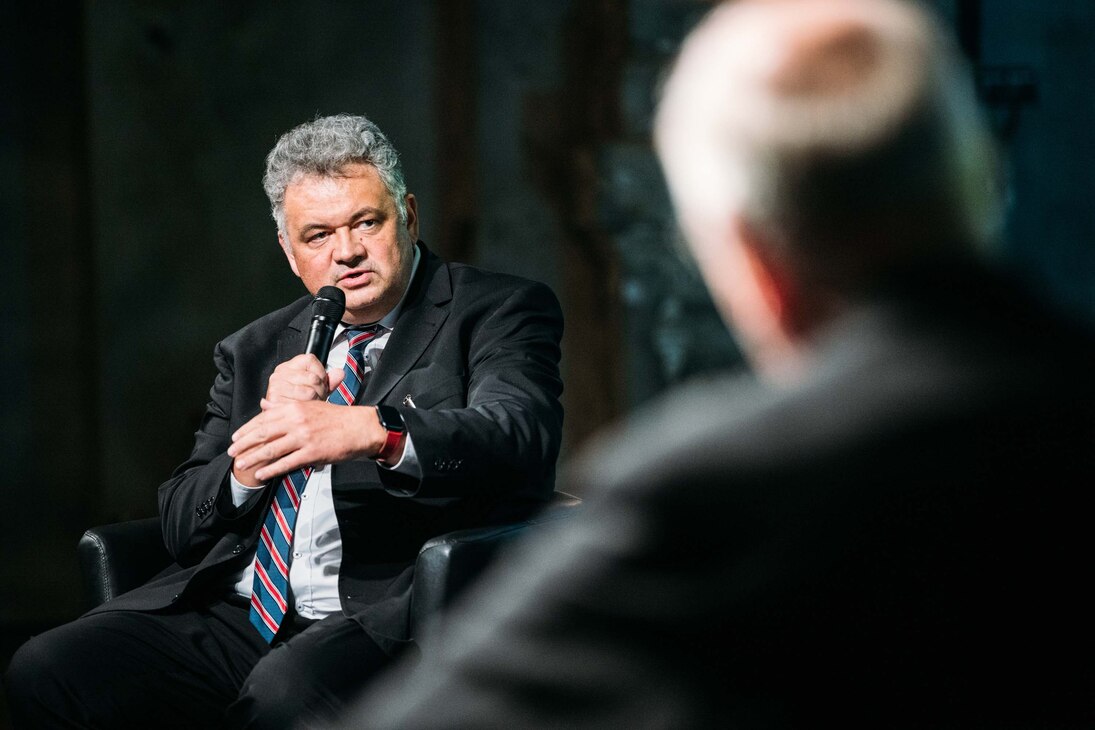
pixel 424 312
pixel 291 340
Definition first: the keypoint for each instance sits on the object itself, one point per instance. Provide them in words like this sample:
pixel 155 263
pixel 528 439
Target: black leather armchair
pixel 117 557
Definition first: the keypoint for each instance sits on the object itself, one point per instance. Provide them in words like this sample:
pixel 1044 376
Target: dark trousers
pixel 195 666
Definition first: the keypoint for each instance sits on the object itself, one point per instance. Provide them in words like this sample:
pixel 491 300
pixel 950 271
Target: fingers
pixel 279 439
pixel 247 435
pixel 250 446
pixel 262 430
pixel 288 463
pixel 299 379
pixel 304 363
pixel 268 467
pixel 291 435
pixel 266 456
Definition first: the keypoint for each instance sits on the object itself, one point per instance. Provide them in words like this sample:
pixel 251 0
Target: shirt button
pixel 300 606
pixel 296 555
pixel 304 496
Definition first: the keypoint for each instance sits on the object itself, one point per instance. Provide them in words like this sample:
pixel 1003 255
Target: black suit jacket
pixel 478 352
pixel 904 540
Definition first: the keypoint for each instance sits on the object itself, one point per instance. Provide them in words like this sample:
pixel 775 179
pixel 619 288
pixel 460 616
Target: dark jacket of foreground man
pixel 904 540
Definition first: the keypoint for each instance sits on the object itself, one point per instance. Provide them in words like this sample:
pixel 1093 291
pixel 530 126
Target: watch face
pixel 390 418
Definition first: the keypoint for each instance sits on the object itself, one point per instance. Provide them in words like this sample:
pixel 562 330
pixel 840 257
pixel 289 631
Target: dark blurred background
pixel 135 232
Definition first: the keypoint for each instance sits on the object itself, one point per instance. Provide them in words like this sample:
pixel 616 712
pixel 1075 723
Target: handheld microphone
pixel 327 309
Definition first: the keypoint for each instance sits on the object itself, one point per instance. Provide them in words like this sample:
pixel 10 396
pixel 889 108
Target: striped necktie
pixel 270 590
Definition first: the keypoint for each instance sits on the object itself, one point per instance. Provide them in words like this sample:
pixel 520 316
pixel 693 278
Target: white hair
pixel 869 138
pixel 325 146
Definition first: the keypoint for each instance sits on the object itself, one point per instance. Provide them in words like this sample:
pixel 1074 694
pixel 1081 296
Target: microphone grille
pixel 330 303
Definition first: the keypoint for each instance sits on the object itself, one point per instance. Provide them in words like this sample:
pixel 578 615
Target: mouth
pixel 355 278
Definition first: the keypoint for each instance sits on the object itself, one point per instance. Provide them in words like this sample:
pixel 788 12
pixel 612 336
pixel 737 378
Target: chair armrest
pixel 117 557
pixel 448 563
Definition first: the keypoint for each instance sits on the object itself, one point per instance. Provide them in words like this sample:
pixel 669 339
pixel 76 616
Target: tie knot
pixel 358 336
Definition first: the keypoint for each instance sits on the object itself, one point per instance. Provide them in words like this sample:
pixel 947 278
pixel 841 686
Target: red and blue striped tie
pixel 270 590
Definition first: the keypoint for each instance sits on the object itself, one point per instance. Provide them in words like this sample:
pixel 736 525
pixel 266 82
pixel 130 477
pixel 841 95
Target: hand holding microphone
pixel 297 426
pixel 304 377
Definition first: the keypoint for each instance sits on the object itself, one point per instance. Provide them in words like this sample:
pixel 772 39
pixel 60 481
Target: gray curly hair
pixel 325 146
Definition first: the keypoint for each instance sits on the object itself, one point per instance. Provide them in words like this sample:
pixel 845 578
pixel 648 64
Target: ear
pixel 287 248
pixel 775 280
pixel 412 216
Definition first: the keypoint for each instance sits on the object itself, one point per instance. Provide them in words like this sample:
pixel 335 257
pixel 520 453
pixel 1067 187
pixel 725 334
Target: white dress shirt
pixel 317 542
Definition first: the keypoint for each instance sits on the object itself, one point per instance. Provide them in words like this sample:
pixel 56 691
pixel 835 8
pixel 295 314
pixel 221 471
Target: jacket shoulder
pixel 479 282
pixel 266 327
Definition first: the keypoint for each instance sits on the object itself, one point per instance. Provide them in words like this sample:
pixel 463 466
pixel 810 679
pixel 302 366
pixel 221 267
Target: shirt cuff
pixel 408 463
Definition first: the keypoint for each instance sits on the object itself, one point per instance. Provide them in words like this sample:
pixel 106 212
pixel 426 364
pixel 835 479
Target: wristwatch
pixel 393 424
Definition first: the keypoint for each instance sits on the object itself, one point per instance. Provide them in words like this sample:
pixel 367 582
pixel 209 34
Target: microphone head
pixel 329 303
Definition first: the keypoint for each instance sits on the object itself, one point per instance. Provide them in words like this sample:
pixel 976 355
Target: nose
pixel 348 250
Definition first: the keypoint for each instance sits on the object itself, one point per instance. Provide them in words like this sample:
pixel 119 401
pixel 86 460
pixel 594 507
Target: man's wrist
pixel 395 434
pixel 392 452
pixel 240 492
pixel 247 479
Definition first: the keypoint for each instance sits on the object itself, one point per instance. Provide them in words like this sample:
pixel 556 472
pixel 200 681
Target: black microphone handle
pixel 320 336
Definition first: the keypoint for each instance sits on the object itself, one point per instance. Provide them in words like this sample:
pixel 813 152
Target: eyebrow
pixel 356 216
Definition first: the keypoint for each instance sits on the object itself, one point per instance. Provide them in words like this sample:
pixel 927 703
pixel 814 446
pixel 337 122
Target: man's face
pixel 345 231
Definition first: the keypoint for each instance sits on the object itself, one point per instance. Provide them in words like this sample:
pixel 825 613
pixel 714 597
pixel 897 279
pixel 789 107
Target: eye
pixel 366 224
pixel 317 238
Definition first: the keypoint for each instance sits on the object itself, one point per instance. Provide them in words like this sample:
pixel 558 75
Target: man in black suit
pixel 458 424
pixel 891 528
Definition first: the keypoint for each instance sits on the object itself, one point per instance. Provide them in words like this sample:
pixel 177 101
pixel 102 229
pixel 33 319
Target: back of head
pixel 845 132
pixel 325 146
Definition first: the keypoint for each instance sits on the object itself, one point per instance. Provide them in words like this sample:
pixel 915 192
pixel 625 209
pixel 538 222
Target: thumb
pixel 334 377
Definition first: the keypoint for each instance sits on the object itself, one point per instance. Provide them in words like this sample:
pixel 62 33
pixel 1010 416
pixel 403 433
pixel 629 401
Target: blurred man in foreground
pixel 891 528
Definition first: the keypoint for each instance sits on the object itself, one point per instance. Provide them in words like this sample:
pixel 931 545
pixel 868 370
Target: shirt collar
pixel 388 320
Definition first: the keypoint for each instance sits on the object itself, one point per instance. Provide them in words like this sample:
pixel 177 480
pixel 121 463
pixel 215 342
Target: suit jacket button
pixel 237 550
